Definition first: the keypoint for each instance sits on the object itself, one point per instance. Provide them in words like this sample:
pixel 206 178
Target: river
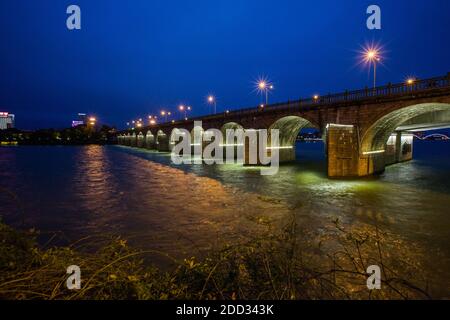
pixel 138 194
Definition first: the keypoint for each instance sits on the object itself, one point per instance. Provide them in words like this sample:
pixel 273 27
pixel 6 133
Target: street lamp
pixel 264 86
pixel 372 55
pixel 212 100
pixel 164 114
pixel 184 109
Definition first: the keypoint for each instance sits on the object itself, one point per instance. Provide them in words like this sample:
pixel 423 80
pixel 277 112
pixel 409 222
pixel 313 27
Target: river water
pixel 181 210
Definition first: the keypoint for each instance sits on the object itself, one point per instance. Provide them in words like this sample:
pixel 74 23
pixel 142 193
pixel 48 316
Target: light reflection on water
pixel 139 194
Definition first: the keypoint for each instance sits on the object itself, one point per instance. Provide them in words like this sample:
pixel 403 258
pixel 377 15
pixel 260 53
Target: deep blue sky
pixel 134 58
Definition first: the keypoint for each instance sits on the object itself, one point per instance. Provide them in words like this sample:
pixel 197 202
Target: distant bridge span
pixel 362 129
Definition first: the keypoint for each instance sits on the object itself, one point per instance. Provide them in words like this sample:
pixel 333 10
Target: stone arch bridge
pixel 363 130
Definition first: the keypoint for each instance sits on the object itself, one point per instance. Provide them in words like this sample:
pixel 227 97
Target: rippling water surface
pixel 138 194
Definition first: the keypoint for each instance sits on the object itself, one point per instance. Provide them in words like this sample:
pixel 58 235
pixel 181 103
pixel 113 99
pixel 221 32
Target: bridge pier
pixel 140 140
pixel 163 144
pixel 150 142
pixel 342 151
pixel 399 148
pixel 287 153
pixel 345 159
pixel 133 140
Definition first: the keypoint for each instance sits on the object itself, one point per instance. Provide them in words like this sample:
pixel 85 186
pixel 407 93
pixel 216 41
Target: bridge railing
pixel 358 95
pixel 415 86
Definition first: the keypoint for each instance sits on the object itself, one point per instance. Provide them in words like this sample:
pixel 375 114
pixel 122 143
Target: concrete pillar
pixel 342 150
pixel 251 150
pixel 163 143
pixel 150 142
pixel 287 153
pixel 398 146
pixel 140 141
pixel 404 146
pixel 390 154
pixel 133 140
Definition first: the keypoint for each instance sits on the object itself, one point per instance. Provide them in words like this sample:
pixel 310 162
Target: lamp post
pixel 373 56
pixel 165 114
pixel 184 109
pixel 264 86
pixel 212 101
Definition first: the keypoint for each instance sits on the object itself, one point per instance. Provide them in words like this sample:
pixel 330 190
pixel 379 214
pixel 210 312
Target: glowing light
pixel 231 145
pixel 373 152
pixel 152 121
pixel 410 81
pixel 211 99
pixel 228 111
pixel 316 97
pixel 372 54
pixel 262 85
pixel 334 125
pixel 163 113
pixel 283 147
pixel 181 107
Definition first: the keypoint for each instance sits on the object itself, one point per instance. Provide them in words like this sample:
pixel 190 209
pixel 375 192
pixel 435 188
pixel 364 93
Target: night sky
pixel 135 58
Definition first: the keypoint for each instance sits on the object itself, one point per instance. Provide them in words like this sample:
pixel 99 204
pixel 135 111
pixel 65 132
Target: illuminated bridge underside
pixel 388 134
pixel 364 130
pixel 289 128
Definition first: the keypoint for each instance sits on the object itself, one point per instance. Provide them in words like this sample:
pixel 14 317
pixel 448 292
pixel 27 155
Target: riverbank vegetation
pixel 278 265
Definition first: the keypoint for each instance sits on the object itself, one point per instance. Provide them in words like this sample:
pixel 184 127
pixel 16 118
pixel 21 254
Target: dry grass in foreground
pixel 281 265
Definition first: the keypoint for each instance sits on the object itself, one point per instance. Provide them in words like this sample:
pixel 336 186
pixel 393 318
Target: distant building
pixel 6 120
pixel 76 123
pixel 81 120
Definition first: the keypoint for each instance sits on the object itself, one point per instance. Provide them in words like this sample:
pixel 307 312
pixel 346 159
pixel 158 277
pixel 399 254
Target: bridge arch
pixel 375 138
pixel 289 127
pixel 230 125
